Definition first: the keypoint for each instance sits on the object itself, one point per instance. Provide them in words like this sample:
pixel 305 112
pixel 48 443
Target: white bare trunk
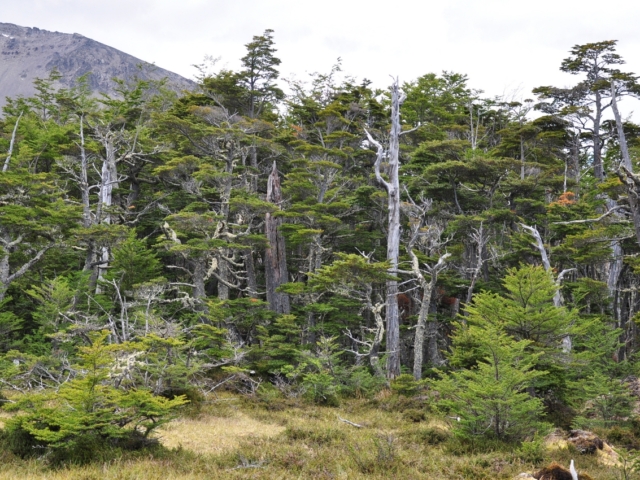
pixel 427 293
pixel 108 181
pixel 11 144
pixel 392 187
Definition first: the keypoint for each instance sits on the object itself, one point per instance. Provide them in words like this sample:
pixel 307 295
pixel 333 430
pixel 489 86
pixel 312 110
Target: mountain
pixel 29 53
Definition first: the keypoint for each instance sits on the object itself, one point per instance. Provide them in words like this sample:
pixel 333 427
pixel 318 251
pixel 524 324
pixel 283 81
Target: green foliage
pixel 532 451
pixel 491 398
pixel 406 385
pixel 87 412
pixel 10 325
pixel 280 345
pixel 603 400
pixel 133 263
pixel 174 265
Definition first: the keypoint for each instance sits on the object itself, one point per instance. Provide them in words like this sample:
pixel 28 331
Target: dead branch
pixel 13 139
pixel 349 422
pixel 379 155
pixel 591 220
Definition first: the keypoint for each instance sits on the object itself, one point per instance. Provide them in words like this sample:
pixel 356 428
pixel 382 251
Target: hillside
pixel 30 53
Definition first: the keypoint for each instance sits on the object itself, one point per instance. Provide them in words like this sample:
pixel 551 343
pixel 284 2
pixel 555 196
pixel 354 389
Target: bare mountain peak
pixel 27 53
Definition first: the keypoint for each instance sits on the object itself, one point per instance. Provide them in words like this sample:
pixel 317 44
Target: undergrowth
pixel 395 437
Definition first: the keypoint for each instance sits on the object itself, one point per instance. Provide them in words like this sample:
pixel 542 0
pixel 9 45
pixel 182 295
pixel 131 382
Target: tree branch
pixel 379 155
pixel 13 139
pixel 22 270
pixel 590 220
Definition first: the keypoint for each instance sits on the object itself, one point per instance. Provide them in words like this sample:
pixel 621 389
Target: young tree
pixel 497 352
pixel 354 277
pixel 491 398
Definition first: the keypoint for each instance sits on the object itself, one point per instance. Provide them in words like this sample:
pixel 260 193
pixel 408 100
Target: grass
pixel 236 438
pixel 208 434
pixel 3 417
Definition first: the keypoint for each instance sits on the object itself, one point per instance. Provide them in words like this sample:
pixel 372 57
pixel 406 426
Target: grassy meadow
pixel 234 437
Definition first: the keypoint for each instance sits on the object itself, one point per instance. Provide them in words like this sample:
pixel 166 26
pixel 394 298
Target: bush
pixel 622 437
pixel 532 451
pixel 360 383
pixel 406 385
pixel 19 441
pixel 87 416
pixel 414 415
pixel 428 436
pixel 320 388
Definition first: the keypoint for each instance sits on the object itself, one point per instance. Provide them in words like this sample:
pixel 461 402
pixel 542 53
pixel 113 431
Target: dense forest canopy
pixel 324 240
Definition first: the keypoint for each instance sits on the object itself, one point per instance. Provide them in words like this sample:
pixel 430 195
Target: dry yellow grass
pixel 232 438
pixel 3 417
pixel 211 435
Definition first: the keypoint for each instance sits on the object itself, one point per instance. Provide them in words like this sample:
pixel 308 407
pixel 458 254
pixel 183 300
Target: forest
pixel 470 264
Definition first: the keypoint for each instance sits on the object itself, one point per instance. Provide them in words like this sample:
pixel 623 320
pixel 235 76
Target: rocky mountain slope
pixel 30 53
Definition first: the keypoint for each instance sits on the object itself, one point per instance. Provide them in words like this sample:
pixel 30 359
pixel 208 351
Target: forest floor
pixel 232 437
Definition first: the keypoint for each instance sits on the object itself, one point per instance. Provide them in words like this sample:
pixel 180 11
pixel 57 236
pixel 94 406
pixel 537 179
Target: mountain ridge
pixel 27 53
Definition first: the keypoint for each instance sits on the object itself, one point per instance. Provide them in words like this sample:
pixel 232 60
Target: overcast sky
pixel 505 46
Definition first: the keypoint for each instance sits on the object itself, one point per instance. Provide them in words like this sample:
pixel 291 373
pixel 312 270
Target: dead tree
pixel 480 238
pixel 392 186
pixel 625 172
pixel 275 255
pixel 428 287
pixel 11 144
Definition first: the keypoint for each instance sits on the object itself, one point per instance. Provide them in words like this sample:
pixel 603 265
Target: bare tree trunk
pixel 109 181
pixel 6 277
pixel 275 255
pixel 13 140
pixel 632 194
pixel 377 341
pixel 480 239
pixel 622 139
pixel 427 293
pixel 84 179
pixel 223 275
pixel 598 169
pixel 631 181
pixel 393 233
pixel 87 220
pixel 252 283
pixel 199 270
pixel 522 156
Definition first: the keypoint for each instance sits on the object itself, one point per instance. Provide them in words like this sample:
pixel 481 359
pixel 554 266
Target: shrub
pixel 321 389
pixel 623 437
pixel 414 415
pixel 428 436
pixel 87 415
pixel 406 385
pixel 532 451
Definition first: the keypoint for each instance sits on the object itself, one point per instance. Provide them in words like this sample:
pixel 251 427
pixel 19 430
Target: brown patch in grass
pixel 3 417
pixel 212 435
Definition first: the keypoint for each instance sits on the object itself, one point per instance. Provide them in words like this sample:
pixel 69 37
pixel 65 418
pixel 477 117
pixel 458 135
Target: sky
pixel 506 47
